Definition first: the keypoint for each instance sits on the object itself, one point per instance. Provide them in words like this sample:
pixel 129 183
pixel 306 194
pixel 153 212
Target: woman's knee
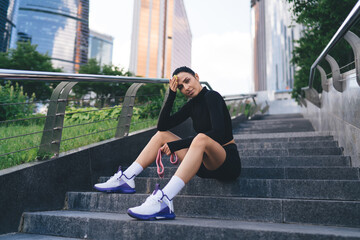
pixel 161 136
pixel 201 140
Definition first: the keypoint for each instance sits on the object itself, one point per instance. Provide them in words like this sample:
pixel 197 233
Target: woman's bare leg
pixel 202 149
pixel 148 154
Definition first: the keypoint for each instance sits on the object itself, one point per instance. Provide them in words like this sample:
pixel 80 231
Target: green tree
pixel 103 91
pixel 26 57
pixel 321 19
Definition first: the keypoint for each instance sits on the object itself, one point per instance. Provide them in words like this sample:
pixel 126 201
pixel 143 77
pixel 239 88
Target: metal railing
pixel 342 33
pixel 118 118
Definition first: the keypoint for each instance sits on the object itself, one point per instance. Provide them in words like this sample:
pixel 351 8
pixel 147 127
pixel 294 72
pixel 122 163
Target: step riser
pixel 291 152
pixel 285 145
pixel 259 188
pixel 273 173
pixel 264 210
pixel 125 229
pixel 271 131
pixel 285 139
pixel 275 127
pixel 311 161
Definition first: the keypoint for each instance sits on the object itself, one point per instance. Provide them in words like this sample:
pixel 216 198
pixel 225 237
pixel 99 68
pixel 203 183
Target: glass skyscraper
pixel 8 10
pixel 101 47
pixel 272 44
pixel 59 27
pixel 161 38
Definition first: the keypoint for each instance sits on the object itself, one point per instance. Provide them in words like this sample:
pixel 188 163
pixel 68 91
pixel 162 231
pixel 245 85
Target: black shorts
pixel 229 170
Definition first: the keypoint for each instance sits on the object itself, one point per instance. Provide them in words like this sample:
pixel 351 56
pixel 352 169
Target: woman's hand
pixel 165 149
pixel 173 83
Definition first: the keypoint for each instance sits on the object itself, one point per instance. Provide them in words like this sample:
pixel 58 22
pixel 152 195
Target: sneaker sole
pixel 156 216
pixel 115 190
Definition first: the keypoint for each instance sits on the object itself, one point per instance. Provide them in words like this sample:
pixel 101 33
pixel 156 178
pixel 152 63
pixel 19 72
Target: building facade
pixel 161 38
pixel 8 10
pixel 59 27
pixel 101 47
pixel 272 44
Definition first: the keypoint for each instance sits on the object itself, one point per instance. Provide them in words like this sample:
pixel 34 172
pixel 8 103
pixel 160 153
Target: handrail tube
pixel 25 75
pixel 344 28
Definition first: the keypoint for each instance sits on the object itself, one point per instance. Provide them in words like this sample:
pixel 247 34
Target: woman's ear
pixel 197 76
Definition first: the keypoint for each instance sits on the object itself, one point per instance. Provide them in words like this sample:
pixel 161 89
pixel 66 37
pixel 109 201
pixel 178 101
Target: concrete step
pixel 345 190
pixel 286 161
pixel 335 213
pixel 99 225
pixel 333 173
pixel 296 161
pixel 283 137
pixel 279 116
pixel 278 130
pixel 274 121
pixel 24 236
pixel 276 124
pixel 294 144
pixel 291 151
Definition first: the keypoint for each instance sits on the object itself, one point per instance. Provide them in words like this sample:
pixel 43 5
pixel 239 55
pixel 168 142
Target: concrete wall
pixel 41 186
pixel 340 115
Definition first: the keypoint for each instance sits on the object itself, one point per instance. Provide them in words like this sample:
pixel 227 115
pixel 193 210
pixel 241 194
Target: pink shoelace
pixel 159 164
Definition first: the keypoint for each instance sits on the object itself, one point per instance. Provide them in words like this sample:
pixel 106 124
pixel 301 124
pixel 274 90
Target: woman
pixel 212 153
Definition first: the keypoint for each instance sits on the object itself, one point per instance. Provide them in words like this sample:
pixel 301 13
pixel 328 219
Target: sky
pixel 221 49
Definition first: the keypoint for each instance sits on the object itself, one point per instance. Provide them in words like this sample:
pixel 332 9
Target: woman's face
pixel 188 84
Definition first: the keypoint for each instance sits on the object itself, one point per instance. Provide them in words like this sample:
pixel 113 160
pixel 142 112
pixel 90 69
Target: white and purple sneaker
pixel 157 206
pixel 118 183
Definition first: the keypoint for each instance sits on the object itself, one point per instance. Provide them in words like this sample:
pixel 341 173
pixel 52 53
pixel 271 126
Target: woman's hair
pixel 183 69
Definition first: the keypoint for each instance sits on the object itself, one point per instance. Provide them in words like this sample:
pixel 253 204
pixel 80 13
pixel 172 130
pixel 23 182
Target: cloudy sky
pixel 221 50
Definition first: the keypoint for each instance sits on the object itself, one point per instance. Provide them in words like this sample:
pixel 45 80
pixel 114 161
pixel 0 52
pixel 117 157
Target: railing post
pixel 123 126
pixel 354 42
pixel 336 75
pixel 59 118
pixel 47 136
pixel 324 81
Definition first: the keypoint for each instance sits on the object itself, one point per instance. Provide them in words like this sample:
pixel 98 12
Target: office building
pixel 101 47
pixel 59 28
pixel 272 44
pixel 161 38
pixel 8 9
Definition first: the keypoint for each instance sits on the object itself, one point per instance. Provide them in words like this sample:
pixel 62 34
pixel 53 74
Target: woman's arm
pixel 168 121
pixel 215 105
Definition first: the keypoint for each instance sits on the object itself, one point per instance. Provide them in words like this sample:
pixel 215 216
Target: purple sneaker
pixel 118 183
pixel 157 206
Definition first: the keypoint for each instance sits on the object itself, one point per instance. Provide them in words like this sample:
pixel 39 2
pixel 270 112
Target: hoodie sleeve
pixel 166 120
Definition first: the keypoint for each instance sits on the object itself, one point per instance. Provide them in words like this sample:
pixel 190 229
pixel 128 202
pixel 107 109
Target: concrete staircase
pixel 295 184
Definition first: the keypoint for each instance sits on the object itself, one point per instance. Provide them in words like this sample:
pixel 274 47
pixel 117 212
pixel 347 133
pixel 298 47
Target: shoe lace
pixel 153 199
pixel 117 175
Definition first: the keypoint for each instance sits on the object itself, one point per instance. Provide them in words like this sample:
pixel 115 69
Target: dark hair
pixel 183 69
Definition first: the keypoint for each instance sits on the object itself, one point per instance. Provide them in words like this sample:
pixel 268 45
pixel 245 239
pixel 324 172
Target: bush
pixel 11 94
pixel 79 115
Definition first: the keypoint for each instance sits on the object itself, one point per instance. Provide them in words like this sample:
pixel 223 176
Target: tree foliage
pixel 321 19
pixel 26 57
pixel 106 91
pixel 14 103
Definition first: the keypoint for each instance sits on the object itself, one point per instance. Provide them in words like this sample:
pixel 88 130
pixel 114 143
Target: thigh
pixel 214 155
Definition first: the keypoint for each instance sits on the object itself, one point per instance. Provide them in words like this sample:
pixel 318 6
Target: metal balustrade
pixel 51 138
pixel 338 81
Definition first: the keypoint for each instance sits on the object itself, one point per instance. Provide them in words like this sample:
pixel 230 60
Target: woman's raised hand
pixel 173 83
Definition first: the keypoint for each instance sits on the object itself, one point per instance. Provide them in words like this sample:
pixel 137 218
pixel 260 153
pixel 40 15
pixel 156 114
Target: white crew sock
pixel 173 187
pixel 134 170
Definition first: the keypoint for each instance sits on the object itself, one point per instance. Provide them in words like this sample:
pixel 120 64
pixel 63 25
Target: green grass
pixel 93 133
pixel 89 133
